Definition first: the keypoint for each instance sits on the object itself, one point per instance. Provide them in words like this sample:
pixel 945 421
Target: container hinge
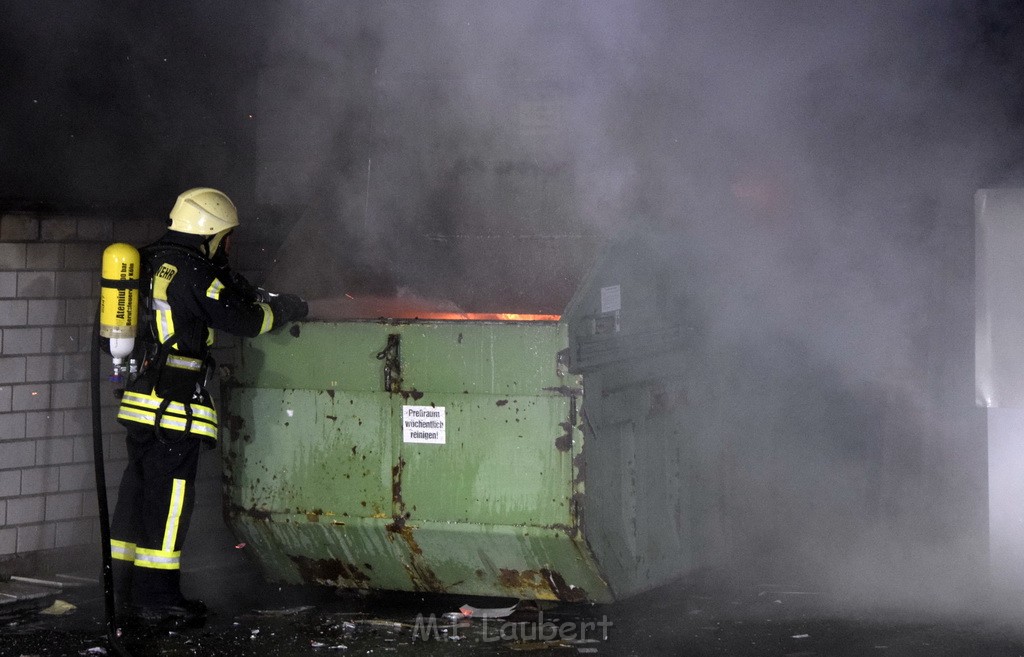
pixel 392 357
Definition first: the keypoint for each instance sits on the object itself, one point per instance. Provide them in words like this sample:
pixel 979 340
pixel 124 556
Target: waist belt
pixel 197 419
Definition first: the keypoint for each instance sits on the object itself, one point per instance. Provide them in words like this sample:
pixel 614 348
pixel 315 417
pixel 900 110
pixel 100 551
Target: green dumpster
pixel 493 457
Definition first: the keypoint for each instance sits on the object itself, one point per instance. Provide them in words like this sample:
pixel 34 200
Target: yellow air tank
pixel 119 301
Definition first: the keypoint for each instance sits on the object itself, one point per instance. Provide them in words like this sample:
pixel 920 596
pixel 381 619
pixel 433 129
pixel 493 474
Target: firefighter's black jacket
pixel 188 298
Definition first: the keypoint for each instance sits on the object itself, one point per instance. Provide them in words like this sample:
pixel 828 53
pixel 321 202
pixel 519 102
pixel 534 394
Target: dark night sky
pixel 118 105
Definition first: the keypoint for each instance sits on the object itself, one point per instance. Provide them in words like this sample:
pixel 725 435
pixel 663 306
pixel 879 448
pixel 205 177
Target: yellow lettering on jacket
pixel 163 278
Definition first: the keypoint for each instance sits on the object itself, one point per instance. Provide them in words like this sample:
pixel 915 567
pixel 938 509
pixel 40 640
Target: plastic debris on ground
pixel 470 611
pixel 59 608
pixel 320 645
pixel 289 611
pixel 530 646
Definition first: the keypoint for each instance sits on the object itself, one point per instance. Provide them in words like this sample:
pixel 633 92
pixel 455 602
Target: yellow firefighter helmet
pixel 203 211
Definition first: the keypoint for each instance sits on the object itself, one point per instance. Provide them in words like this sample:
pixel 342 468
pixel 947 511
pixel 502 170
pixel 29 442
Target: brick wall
pixel 49 287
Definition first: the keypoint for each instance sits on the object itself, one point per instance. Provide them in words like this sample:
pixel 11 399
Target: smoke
pixel 813 161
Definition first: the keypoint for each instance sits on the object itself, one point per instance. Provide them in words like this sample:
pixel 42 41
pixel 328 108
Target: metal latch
pixel 392 357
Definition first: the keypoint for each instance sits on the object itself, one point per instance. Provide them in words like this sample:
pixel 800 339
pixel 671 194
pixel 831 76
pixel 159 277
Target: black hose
pixel 101 495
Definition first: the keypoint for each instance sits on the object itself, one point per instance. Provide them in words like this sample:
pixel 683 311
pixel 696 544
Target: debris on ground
pixel 288 611
pixel 530 646
pixel 319 645
pixel 59 608
pixel 470 611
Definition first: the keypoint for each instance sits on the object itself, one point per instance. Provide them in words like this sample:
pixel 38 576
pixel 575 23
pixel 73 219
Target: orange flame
pixel 483 317
pixel 349 307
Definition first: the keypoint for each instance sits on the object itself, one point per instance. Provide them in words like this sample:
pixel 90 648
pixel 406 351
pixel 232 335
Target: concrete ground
pixel 252 617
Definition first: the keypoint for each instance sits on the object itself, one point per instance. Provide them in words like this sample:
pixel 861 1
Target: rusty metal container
pixel 532 459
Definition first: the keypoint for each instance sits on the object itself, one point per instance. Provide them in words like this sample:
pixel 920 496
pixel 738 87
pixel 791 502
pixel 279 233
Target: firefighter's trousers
pixel 151 517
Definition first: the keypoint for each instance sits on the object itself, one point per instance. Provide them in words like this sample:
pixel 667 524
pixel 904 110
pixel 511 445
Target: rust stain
pixel 396 485
pixel 543 584
pixel 414 393
pixel 254 513
pixel 569 530
pixel 576 508
pixel 564 442
pixel 579 479
pixel 235 426
pixel 400 514
pixel 397 524
pixel 406 533
pixel 561 589
pixel 420 574
pixel 333 572
pixel 259 514
pixel 510 579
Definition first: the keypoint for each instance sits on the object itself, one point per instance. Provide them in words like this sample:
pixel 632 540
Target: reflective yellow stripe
pixel 214 290
pixel 174 409
pixel 174 515
pixel 176 423
pixel 185 363
pixel 209 337
pixel 158 559
pixel 198 427
pixel 164 325
pixel 268 318
pixel 122 550
pixel 142 417
pixel 152 401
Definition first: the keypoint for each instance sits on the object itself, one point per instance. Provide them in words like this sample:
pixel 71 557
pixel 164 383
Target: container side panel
pixel 312 357
pixel 326 454
pixel 465 559
pixel 481 358
pixel 504 462
pixel 642 507
pixel 453 357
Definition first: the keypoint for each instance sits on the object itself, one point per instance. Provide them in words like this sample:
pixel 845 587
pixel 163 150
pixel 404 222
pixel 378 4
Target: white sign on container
pixel 611 298
pixel 423 424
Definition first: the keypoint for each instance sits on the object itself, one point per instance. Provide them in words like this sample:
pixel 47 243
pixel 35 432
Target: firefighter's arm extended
pixel 232 305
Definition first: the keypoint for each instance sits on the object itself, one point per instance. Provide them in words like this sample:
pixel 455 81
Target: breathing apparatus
pixel 119 305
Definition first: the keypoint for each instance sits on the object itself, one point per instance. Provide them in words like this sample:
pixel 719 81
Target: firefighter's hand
pixel 287 308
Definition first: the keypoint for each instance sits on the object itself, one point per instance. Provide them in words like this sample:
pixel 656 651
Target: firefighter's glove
pixel 247 289
pixel 287 308
pixel 262 295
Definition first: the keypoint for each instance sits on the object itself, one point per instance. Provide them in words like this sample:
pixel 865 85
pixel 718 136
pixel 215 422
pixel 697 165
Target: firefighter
pixel 187 291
